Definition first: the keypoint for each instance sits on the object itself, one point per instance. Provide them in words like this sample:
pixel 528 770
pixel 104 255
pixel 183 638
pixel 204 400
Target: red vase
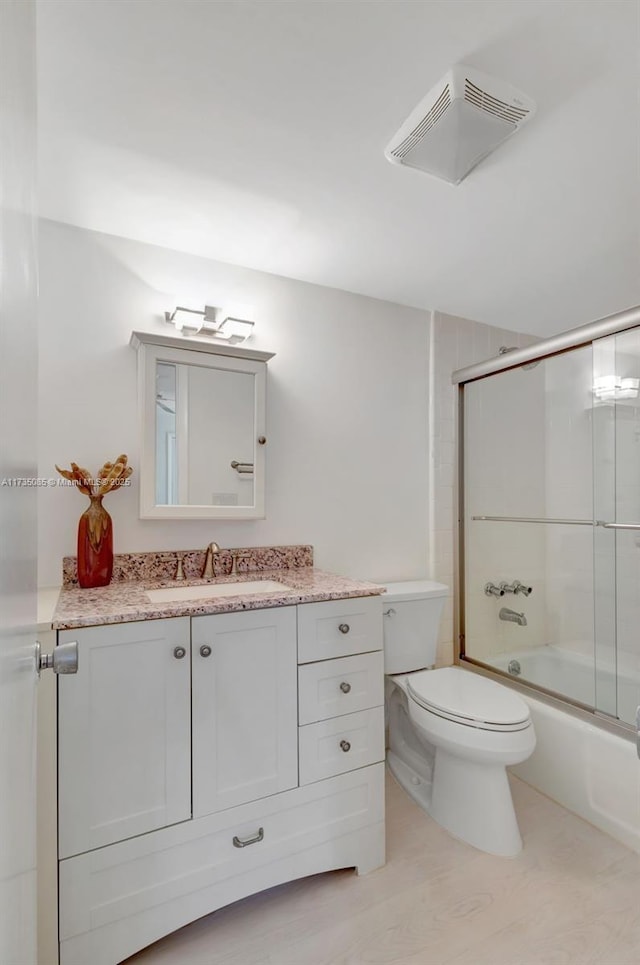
pixel 95 545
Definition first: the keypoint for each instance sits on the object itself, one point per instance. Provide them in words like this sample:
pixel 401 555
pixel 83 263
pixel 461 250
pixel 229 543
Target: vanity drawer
pixel 341 744
pixel 338 628
pixel 332 688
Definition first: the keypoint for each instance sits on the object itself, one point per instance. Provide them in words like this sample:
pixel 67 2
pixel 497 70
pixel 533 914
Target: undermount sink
pixel 209 591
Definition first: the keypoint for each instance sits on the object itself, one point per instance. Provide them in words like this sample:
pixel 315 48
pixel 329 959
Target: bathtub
pixel 587 769
pixel 572 674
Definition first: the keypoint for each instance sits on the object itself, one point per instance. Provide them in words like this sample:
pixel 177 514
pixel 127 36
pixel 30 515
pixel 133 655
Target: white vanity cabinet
pixel 180 789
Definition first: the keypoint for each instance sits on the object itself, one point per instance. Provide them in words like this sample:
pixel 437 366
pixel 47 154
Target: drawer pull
pixel 179 653
pixel 245 842
pixel 345 687
pixel 205 650
pixel 345 745
pixel 344 628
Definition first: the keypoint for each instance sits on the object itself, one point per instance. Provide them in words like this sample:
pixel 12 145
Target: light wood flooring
pixel 571 898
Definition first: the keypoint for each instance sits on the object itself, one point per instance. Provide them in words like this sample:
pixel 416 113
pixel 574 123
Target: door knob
pixel 345 687
pixel 179 653
pixel 345 745
pixel 64 658
pixel 344 628
pixel 205 650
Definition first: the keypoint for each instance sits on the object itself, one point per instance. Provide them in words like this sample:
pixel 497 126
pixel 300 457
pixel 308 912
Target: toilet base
pixel 471 801
pixel 416 785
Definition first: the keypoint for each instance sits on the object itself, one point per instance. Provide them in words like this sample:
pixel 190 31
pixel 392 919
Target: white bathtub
pixel 573 675
pixel 585 768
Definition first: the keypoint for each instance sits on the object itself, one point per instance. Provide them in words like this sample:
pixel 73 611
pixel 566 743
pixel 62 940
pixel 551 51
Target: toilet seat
pixel 468 699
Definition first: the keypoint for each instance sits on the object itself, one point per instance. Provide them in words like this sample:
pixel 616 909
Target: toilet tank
pixel 411 620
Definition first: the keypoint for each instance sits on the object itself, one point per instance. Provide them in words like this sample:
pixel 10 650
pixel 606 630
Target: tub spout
pixel 512 617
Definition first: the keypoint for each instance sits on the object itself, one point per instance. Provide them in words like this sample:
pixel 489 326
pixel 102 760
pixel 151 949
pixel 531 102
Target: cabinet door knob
pixel 345 745
pixel 205 650
pixel 345 687
pixel 179 653
pixel 344 628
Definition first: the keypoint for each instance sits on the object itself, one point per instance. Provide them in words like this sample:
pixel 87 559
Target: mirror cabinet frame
pixel 153 348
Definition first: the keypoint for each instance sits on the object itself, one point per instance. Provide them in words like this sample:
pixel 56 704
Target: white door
pixel 124 749
pixel 245 716
pixel 18 458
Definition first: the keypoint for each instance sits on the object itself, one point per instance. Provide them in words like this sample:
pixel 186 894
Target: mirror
pixel 203 429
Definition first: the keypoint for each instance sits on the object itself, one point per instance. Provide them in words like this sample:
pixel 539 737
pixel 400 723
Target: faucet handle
pixel 179 574
pixel 492 590
pixel 241 555
pixel 519 587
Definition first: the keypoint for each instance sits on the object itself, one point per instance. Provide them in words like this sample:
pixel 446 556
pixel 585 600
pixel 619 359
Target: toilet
pixel 452 732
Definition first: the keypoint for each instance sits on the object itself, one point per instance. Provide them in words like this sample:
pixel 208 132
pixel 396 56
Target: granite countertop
pixel 125 602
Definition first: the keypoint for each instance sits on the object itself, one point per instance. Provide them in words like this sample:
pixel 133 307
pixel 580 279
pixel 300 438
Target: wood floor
pixel 571 898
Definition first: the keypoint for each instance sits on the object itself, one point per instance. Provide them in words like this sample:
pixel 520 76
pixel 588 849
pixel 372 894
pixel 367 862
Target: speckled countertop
pixel 127 601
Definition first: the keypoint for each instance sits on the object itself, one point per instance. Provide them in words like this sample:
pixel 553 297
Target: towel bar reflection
pixel 242 467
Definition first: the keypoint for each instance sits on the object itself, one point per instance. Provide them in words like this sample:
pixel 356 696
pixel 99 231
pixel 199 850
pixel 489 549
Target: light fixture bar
pixel 229 329
pixel 170 316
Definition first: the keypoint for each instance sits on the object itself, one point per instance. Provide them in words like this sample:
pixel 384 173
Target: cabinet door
pixel 124 755
pixel 244 707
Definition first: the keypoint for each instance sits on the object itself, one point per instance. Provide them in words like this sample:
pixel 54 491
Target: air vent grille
pixel 425 124
pixel 493 105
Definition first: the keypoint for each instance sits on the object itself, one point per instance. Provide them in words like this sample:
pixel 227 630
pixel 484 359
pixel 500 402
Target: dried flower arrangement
pixel 95 529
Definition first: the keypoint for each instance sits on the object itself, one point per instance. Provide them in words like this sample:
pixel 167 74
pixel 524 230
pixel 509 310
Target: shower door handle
pixel 638 730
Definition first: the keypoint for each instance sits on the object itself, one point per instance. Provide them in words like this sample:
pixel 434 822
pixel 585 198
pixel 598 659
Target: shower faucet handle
pixel 492 590
pixel 516 587
pixel 519 587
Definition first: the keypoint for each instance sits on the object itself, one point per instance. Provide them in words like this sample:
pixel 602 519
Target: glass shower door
pixel 528 524
pixel 616 446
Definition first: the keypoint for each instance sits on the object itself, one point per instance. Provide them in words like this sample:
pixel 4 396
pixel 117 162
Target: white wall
pixel 347 460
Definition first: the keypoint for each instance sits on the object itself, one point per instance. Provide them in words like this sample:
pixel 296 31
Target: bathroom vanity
pixel 211 748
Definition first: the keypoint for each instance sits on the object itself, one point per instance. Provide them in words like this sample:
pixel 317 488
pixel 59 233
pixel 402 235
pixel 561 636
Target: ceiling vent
pixel 466 116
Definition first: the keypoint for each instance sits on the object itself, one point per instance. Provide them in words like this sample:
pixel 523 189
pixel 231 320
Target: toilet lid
pixel 467 697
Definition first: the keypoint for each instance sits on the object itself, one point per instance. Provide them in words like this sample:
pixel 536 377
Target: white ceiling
pixel 253 132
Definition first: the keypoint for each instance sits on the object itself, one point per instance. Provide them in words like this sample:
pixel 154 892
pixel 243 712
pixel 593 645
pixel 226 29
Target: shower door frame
pixel 556 345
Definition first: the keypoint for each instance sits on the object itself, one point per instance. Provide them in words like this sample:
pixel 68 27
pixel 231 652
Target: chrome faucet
pixel 512 617
pixel 492 590
pixel 517 587
pixel 207 570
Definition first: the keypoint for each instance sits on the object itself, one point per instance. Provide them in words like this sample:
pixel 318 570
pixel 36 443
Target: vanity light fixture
pixel 612 388
pixel 211 321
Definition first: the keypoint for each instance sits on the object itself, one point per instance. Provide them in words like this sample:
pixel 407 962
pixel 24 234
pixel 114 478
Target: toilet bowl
pixel 452 732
